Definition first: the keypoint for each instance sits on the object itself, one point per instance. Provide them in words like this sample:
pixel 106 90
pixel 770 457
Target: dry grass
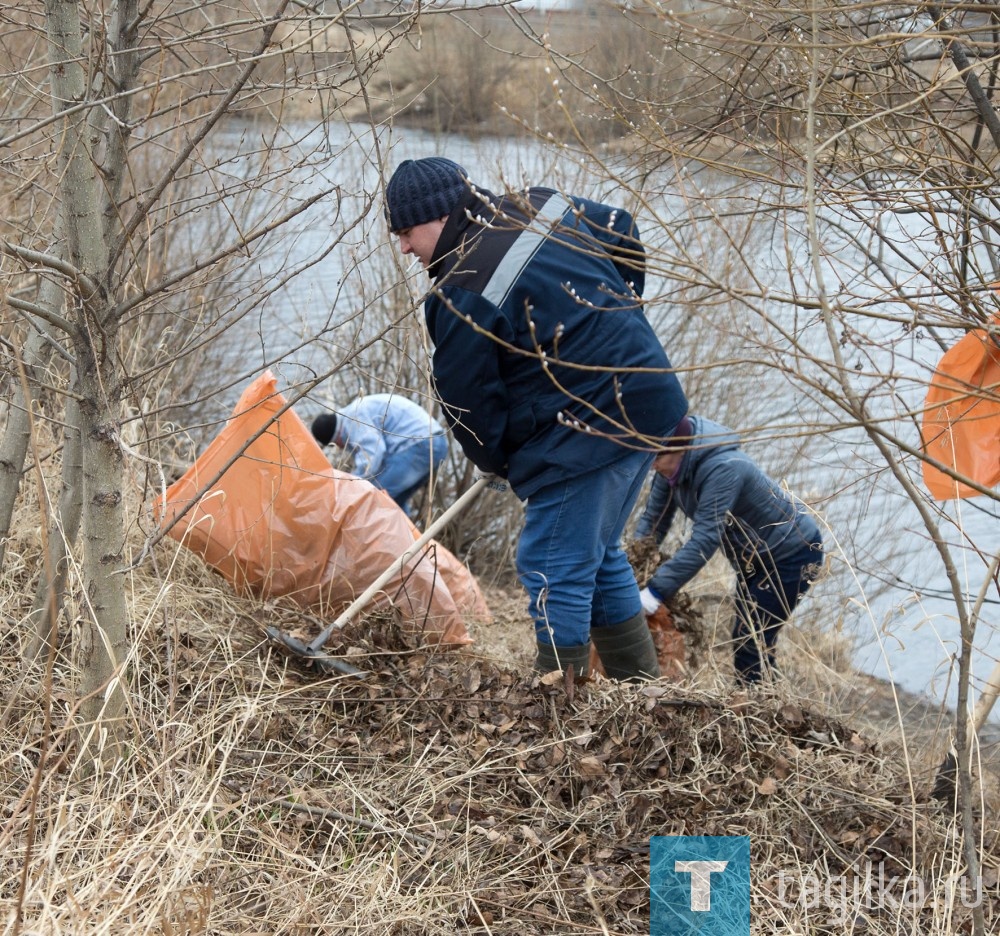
pixel 445 792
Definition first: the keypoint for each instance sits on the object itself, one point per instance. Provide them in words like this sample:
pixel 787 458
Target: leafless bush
pixel 850 241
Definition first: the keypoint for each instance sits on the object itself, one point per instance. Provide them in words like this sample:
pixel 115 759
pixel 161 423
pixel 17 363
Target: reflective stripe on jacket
pixel 537 327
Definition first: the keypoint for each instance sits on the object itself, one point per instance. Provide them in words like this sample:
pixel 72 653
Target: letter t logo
pixel 689 895
pixel 701 884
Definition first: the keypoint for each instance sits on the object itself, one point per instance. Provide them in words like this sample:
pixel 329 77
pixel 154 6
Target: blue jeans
pixel 406 470
pixel 570 558
pixel 765 599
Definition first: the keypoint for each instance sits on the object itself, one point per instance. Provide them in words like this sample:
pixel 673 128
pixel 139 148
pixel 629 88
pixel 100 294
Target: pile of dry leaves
pixel 533 799
pixel 444 792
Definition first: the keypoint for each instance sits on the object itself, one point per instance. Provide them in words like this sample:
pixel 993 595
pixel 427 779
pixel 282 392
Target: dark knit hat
pixel 324 428
pixel 423 190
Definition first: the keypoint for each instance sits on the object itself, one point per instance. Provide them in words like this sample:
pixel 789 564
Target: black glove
pixel 324 428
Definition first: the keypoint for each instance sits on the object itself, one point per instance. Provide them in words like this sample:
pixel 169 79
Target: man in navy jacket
pixel 552 378
pixel 772 543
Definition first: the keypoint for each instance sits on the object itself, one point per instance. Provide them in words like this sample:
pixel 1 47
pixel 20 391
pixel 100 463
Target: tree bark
pixel 14 449
pixel 100 649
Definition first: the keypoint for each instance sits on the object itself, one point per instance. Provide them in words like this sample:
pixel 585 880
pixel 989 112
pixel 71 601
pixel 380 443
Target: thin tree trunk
pixel 14 448
pixel 49 595
pixel 103 635
pixel 100 651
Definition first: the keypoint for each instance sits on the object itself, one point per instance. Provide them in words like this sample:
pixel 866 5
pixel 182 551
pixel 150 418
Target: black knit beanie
pixel 324 428
pixel 423 190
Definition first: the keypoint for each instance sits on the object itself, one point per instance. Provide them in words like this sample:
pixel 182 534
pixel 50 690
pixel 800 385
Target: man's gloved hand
pixel 650 603
pixel 494 483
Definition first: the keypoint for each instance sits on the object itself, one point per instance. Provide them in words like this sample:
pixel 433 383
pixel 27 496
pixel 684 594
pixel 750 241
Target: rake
pixel 313 650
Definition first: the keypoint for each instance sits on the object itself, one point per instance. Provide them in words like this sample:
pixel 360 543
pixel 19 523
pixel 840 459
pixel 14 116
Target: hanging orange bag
pixel 961 425
pixel 280 521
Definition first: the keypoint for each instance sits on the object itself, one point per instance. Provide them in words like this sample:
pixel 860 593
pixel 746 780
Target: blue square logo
pixel 699 885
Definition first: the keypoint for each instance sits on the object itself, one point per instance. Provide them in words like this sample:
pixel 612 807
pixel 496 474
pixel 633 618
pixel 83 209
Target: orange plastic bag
pixel 961 426
pixel 671 648
pixel 282 522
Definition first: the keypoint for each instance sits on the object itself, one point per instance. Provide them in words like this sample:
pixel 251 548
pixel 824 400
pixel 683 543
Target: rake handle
pixel 366 596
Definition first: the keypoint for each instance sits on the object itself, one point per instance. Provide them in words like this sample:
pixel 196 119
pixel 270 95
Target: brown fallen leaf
pixel 768 786
pixel 472 679
pixel 530 836
pixel 590 767
pixel 791 715
pixel 739 702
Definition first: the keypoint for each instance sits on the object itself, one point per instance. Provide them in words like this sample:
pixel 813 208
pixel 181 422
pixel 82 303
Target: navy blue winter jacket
pixel 733 504
pixel 543 358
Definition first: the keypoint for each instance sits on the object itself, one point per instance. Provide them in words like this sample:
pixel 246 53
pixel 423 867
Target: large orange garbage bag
pixel 282 522
pixel 961 426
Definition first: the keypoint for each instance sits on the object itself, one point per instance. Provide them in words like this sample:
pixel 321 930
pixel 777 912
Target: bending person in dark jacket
pixel 552 378
pixel 772 543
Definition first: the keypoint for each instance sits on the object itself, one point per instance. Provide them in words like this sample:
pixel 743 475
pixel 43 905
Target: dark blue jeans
pixel 765 599
pixel 570 558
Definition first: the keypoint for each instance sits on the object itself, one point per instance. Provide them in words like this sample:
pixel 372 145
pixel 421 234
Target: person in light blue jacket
pixel 771 541
pixel 395 443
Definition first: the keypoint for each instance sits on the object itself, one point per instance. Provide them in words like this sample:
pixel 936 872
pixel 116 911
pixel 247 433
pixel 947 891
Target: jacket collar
pixel 472 204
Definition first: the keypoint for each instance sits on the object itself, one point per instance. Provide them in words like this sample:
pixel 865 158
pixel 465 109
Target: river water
pixel 760 366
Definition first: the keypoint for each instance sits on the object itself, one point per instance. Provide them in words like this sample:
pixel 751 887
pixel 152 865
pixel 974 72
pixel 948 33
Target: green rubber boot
pixel 551 658
pixel 626 650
